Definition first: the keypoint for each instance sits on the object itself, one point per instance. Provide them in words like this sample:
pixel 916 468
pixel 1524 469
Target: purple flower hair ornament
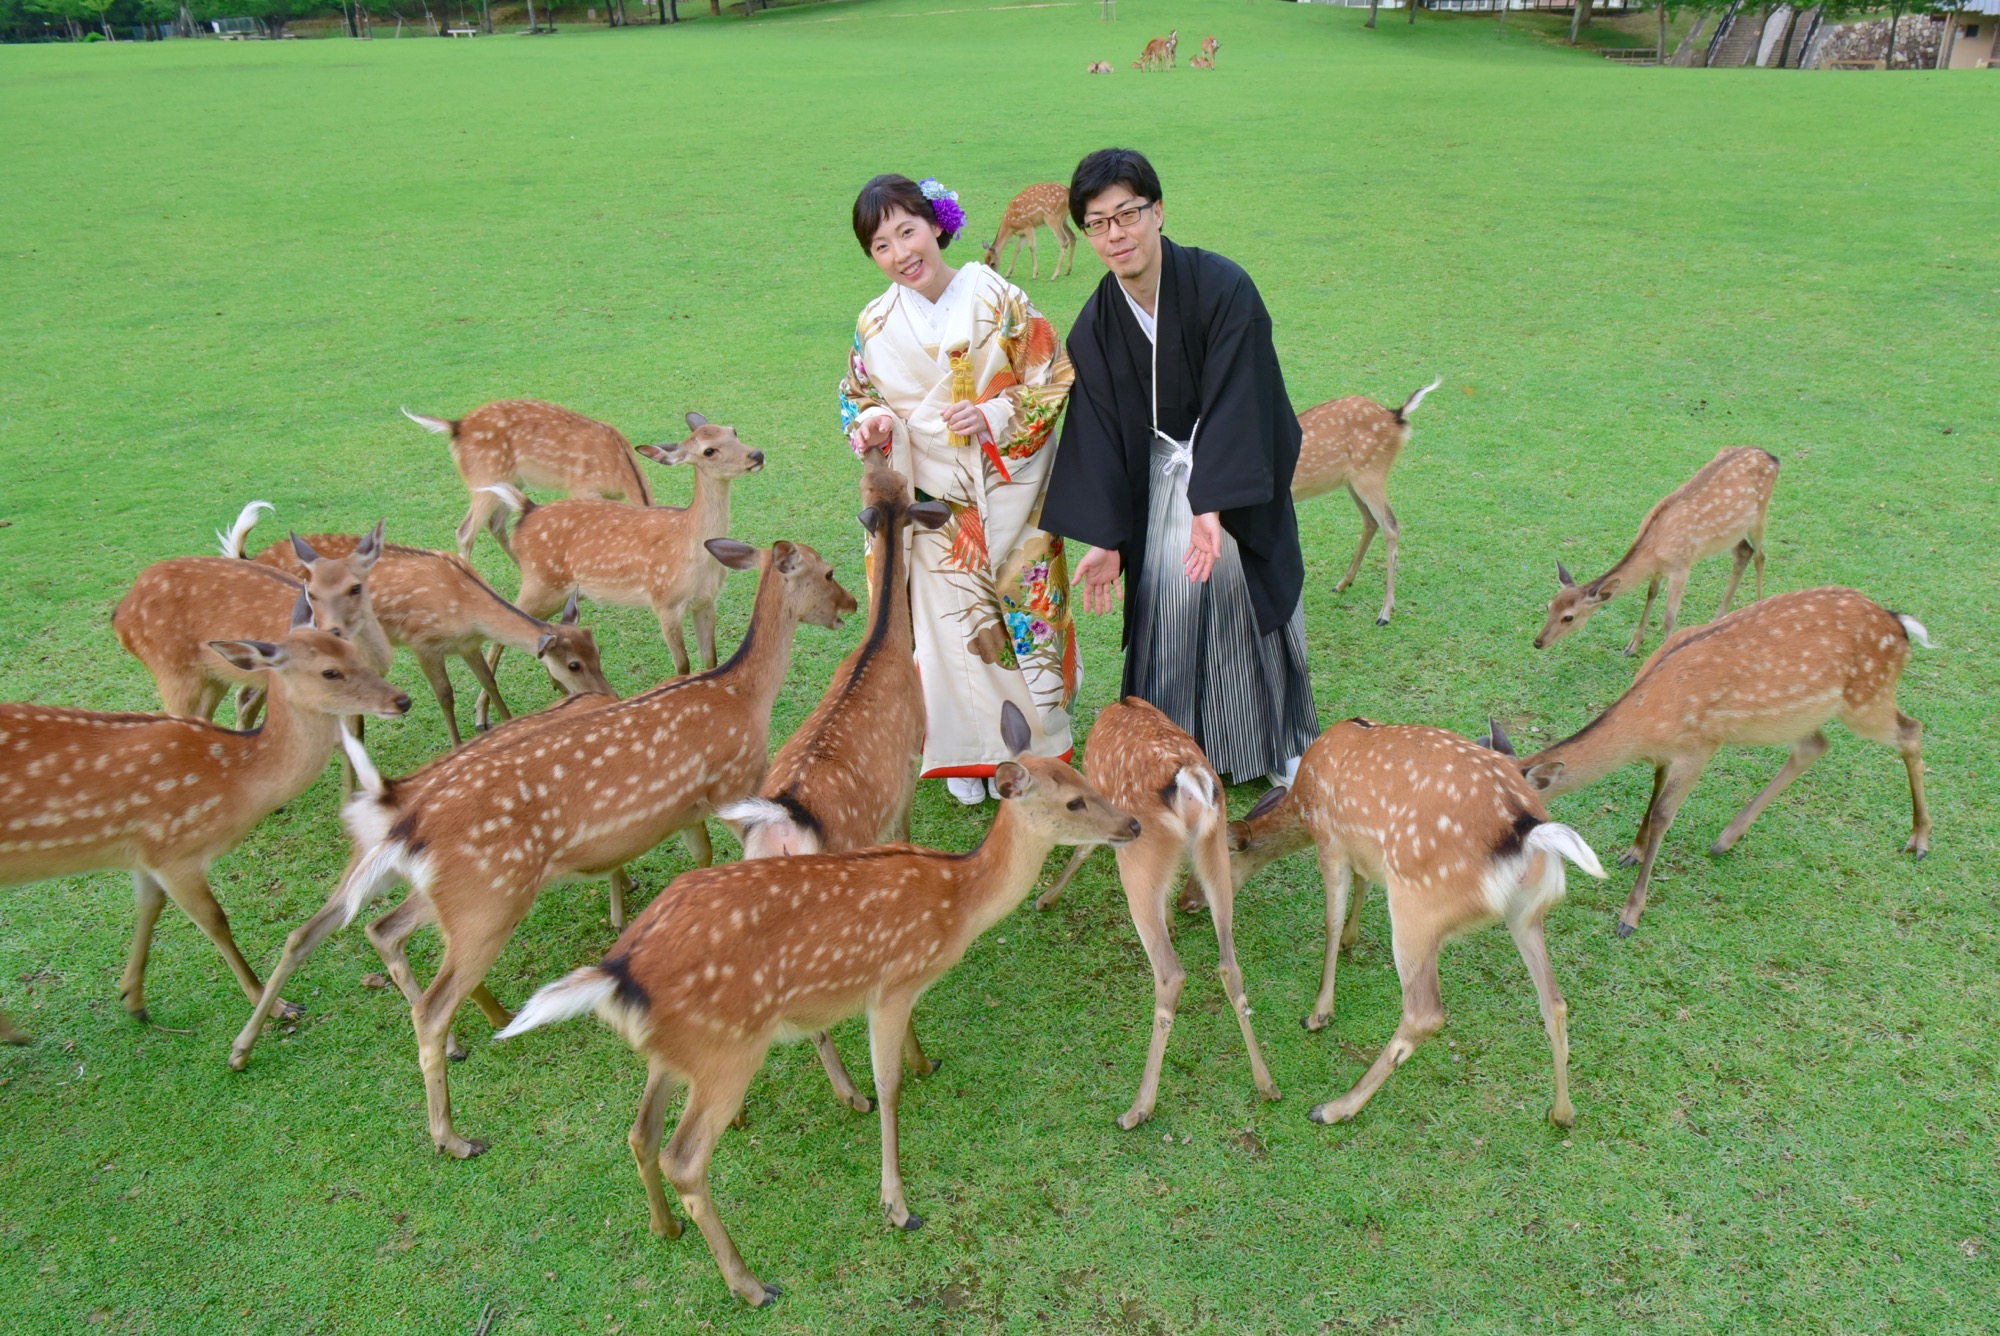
pixel 944 205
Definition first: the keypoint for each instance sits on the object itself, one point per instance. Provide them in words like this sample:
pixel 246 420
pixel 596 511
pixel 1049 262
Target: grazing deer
pixel 1099 67
pixel 436 606
pixel 9 1035
pixel 727 960
pixel 1209 46
pixel 1720 509
pixel 163 797
pixel 637 556
pixel 1142 761
pixel 1044 205
pixel 1771 674
pixel 1202 63
pixel 845 780
pixel 575 796
pixel 1157 55
pixel 1457 837
pixel 1355 441
pixel 529 443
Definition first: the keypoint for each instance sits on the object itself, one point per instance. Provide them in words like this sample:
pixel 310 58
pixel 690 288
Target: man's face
pixel 1129 239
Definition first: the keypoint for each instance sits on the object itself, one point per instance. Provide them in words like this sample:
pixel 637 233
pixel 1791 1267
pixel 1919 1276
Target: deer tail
pixel 441 426
pixel 1553 837
pixel 246 520
pixel 567 998
pixel 1914 629
pixel 1195 797
pixel 373 873
pixel 770 829
pixel 1411 404
pixel 366 776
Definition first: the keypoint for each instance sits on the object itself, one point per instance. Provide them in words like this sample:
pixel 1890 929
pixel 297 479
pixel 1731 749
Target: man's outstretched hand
pixel 1204 547
pixel 1098 574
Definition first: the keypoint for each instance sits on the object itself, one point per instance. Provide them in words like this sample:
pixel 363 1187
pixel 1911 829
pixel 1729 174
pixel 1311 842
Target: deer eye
pixel 354 592
pixel 1074 804
pixel 709 453
pixel 331 674
pixel 1569 616
pixel 575 666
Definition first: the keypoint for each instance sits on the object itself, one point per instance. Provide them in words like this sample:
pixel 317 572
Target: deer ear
pixel 870 518
pixel 1014 729
pixel 1563 576
pixel 696 420
pixel 571 608
pixel 302 611
pixel 1543 774
pixel 787 556
pixel 1496 737
pixel 367 550
pixel 931 514
pixel 667 452
pixel 1272 797
pixel 1239 836
pixel 1602 590
pixel 250 655
pixel 1011 780
pixel 303 550
pixel 542 645
pixel 736 556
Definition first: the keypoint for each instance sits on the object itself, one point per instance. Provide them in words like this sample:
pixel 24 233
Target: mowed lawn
pixel 226 266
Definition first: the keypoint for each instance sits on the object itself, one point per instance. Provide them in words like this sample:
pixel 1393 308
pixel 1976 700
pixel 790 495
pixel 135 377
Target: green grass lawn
pixel 225 266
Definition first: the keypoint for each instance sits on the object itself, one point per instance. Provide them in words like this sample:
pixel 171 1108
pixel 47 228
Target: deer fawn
pixel 579 794
pixel 845 780
pixel 1459 839
pixel 1355 441
pixel 163 797
pixel 1723 505
pixel 1141 760
pixel 437 607
pixel 1771 674
pixel 529 443
pixel 177 608
pixel 637 556
pixel 727 960
pixel 1203 62
pixel 1044 205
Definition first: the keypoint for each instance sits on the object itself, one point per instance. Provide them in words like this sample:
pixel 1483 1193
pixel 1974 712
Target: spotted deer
pixel 637 556
pixel 1209 46
pixel 1158 54
pixel 163 796
pixel 846 779
pixel 728 960
pixel 1721 509
pixel 1142 761
pixel 529 443
pixel 1459 839
pixel 576 796
pixel 437 607
pixel 1044 205
pixel 1771 674
pixel 1099 67
pixel 1202 63
pixel 1355 442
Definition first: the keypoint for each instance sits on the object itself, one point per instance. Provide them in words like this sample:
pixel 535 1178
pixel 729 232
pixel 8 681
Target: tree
pixel 1579 19
pixel 1371 13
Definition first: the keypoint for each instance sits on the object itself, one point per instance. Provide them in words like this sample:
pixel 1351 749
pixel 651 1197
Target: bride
pixel 958 378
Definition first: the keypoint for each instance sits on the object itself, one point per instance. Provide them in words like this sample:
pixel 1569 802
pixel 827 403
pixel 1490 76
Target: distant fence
pixel 1486 6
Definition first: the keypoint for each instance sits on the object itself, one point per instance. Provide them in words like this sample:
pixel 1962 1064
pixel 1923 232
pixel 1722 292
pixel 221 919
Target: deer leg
pixel 1351 932
pixel 150 898
pixel 303 940
pixel 1534 949
pixel 836 1073
pixel 249 707
pixel 712 1101
pixel 1377 497
pixel 1339 879
pixel 1804 752
pixel 1034 254
pixel 1677 582
pixel 1211 868
pixel 645 1143
pixel 1682 772
pixel 1054 892
pixel 489 1006
pixel 1637 849
pixel 389 933
pixel 670 631
pixel 1014 256
pixel 1144 866
pixel 704 633
pixel 1423 1016
pixel 1757 544
pixel 1368 527
pixel 621 883
pixel 1740 557
pixel 483 707
pixel 1639 631
pixel 190 890
pixel 1884 723
pixel 466 960
pixel 888 1024
pixel 212 693
pixel 913 1054
pixel 699 845
pixel 490 698
pixel 440 679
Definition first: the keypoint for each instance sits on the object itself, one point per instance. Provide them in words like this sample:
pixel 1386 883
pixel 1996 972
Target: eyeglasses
pixel 1126 219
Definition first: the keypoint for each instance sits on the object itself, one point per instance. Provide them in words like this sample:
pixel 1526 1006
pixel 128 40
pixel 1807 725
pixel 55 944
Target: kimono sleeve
pixel 859 399
pixel 1089 496
pixel 1022 414
pixel 1236 460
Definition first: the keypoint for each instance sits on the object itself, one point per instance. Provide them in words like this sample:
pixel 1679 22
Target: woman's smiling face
pixel 907 249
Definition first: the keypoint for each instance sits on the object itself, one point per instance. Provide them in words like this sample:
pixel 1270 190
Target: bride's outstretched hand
pixel 873 433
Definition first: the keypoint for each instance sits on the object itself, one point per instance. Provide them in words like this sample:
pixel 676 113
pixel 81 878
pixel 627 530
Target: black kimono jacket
pixel 1217 364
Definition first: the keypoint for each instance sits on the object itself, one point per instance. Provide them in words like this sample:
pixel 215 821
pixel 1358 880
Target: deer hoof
pixel 1919 851
pixel 1564 1117
pixel 1328 1114
pixel 288 1011
pixel 1625 929
pixel 1381 621
pixel 937 1065
pixel 768 1296
pixel 1629 858
pixel 911 1223
pixel 1131 1118
pixel 141 1015
pixel 463 1148
pixel 1313 1022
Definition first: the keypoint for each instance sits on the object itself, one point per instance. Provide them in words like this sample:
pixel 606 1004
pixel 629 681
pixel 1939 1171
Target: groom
pixel 1175 466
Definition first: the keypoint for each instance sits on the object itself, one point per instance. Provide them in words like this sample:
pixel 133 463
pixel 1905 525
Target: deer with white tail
pixel 1460 841
pixel 1721 509
pixel 1771 674
pixel 1354 442
pixel 163 797
pixel 1142 761
pixel 728 960
pixel 1044 205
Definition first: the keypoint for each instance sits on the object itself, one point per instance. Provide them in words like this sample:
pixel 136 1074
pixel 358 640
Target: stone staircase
pixel 1738 46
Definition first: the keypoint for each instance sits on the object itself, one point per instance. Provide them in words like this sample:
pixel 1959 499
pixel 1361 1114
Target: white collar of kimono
pixel 1182 460
pixel 933 313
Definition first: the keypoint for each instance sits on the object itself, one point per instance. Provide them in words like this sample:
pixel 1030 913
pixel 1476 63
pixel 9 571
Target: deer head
pixel 1572 606
pixel 569 652
pixel 713 450
pixel 336 586
pixel 810 590
pixel 1053 799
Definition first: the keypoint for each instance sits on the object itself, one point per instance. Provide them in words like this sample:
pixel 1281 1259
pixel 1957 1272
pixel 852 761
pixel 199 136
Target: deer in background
pixel 727 960
pixel 1141 761
pixel 1209 46
pixel 163 796
pixel 1159 53
pixel 1098 67
pixel 529 443
pixel 846 779
pixel 1044 205
pixel 1355 441
pixel 575 796
pixel 637 556
pixel 1459 839
pixel 1722 508
pixel 437 607
pixel 1202 63
pixel 1771 674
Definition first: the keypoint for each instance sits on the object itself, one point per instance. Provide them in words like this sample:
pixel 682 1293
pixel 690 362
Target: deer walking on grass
pixel 846 779
pixel 1721 509
pixel 637 556
pixel 1141 761
pixel 1354 442
pixel 728 960
pixel 164 796
pixel 529 443
pixel 1459 840
pixel 1044 205
pixel 1771 674
pixel 575 796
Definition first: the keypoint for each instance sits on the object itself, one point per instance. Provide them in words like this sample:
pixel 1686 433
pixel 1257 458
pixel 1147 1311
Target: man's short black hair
pixel 1110 167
